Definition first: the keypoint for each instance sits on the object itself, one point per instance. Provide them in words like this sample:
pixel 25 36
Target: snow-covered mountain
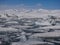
pixel 29 13
pixel 35 26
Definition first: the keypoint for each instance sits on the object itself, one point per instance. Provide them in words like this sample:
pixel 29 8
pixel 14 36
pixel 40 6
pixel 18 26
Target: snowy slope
pixel 29 12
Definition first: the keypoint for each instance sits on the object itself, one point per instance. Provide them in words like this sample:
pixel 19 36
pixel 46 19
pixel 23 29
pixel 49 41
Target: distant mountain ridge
pixel 29 13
